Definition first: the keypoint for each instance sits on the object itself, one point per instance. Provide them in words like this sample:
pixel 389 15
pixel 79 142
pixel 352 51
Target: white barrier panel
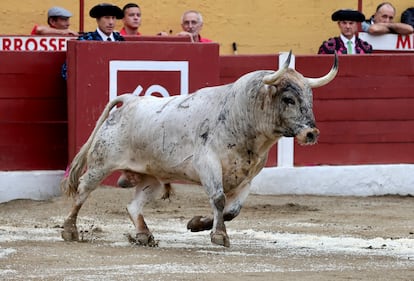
pixel 355 180
pixel 36 185
pixel 358 180
pixel 389 42
pixel 285 146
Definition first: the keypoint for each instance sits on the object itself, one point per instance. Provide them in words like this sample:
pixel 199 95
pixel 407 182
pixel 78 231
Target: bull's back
pixel 162 133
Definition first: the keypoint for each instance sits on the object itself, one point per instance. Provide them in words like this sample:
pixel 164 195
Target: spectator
pixel 347 42
pixel 106 16
pixel 58 20
pixel 192 23
pixel 382 22
pixel 131 19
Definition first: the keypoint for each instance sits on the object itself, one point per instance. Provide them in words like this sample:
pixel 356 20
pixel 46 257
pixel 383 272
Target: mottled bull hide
pixel 218 137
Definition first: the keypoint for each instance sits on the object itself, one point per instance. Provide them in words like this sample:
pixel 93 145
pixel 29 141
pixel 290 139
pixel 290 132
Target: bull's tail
pixel 69 184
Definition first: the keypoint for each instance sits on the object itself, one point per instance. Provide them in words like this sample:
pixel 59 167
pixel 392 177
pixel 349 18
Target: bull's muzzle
pixel 308 136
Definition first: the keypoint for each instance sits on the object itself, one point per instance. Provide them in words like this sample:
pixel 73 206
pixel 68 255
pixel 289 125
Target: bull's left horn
pixel 318 82
pixel 271 78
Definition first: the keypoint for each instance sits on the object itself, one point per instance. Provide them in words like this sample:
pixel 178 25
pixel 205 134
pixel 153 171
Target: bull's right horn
pixel 271 78
pixel 318 82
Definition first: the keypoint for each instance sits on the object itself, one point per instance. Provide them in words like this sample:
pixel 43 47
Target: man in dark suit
pixel 106 16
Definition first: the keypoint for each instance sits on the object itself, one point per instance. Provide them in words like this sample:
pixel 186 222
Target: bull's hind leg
pixel 147 189
pixel 88 183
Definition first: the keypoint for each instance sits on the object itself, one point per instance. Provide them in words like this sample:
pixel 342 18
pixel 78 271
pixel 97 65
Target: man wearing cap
pixel 58 19
pixel 106 16
pixel 347 42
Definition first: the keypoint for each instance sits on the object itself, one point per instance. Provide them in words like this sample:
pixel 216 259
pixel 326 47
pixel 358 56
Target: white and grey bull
pixel 218 137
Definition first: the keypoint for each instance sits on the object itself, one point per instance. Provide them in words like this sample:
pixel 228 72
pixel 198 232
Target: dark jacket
pixel 94 36
pixel 336 44
pixel 89 36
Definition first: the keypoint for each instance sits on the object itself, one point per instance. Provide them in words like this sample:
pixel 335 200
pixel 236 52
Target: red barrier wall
pixel 365 115
pixel 176 68
pixel 33 123
pixel 127 67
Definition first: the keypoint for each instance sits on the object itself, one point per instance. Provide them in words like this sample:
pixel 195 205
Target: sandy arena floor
pixel 274 238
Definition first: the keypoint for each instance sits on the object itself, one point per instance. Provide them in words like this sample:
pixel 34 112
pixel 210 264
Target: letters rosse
pixel 33 43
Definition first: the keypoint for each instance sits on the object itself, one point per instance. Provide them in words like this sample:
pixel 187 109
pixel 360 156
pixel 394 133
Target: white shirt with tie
pixel 104 36
pixel 345 40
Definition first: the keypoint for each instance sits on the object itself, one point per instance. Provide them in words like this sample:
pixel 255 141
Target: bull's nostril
pixel 310 136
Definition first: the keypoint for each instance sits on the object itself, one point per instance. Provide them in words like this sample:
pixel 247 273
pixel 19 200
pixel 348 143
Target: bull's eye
pixel 288 101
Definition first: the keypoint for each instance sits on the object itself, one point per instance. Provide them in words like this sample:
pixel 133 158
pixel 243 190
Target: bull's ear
pixel 318 82
pixel 271 78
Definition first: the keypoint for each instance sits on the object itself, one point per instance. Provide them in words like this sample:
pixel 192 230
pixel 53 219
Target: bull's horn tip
pixel 336 61
pixel 289 56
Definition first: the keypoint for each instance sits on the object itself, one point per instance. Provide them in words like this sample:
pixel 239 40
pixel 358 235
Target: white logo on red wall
pixel 151 77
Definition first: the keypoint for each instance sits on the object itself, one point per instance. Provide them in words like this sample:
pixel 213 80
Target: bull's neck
pixel 249 120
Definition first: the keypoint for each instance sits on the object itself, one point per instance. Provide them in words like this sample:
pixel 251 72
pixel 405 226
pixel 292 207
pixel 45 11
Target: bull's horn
pixel 318 82
pixel 271 78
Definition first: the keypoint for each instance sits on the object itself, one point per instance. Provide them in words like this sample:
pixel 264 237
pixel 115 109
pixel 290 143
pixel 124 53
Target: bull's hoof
pixel 143 239
pixel 168 192
pixel 70 236
pixel 70 231
pixel 221 239
pixel 199 223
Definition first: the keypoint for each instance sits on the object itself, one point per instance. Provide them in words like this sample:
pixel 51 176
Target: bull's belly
pixel 179 166
pixel 165 166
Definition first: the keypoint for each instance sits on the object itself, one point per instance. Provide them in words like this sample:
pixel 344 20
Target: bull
pixel 218 137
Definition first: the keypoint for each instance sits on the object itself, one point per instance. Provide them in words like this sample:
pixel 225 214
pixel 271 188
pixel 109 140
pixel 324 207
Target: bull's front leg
pixel 234 202
pixel 210 176
pixel 218 201
pixel 218 234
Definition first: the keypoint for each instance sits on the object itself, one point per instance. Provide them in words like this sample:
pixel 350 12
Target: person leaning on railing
pixel 58 20
pixel 191 24
pixel 382 22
